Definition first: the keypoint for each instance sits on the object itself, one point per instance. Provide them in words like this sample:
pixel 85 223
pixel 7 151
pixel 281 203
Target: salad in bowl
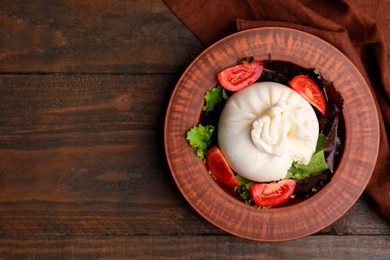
pixel 270 131
pixel 271 148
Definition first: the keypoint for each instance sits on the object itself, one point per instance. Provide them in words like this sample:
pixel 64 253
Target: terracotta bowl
pixel 304 218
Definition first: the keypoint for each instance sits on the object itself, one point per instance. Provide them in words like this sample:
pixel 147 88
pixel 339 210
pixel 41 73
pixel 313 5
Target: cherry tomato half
pixel 309 90
pixel 221 169
pixel 240 76
pixel 272 194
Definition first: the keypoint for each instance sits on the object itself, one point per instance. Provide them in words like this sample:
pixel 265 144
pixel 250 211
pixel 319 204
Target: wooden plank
pixel 188 247
pixel 49 111
pixel 83 172
pixel 125 212
pixel 84 155
pixel 138 36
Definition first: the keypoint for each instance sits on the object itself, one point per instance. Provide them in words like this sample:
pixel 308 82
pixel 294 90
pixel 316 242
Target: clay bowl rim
pixel 225 211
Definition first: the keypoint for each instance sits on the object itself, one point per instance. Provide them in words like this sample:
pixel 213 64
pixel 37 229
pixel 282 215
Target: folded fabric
pixel 344 24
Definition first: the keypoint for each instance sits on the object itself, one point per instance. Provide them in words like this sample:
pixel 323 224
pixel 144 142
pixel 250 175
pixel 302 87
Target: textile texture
pixel 358 28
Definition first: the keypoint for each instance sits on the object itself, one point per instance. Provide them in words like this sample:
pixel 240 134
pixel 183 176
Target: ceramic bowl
pixel 217 205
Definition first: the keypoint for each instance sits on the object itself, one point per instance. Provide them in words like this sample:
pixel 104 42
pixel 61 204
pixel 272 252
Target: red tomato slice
pixel 221 169
pixel 309 90
pixel 241 76
pixel 272 194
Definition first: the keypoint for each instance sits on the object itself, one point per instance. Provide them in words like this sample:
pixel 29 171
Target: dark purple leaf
pixel 332 143
pixel 306 185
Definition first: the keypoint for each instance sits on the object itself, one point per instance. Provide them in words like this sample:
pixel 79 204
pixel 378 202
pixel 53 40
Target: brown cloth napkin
pixel 347 25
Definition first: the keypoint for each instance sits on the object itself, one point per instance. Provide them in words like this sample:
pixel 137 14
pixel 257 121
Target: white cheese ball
pixel 264 128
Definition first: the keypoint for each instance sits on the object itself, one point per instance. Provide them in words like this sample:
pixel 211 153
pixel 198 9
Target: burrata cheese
pixel 264 128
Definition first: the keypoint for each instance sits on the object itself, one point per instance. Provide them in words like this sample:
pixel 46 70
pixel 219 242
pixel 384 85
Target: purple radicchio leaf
pixel 332 143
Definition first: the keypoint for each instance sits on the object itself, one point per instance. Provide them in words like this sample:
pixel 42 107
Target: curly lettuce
pixel 213 97
pixel 200 137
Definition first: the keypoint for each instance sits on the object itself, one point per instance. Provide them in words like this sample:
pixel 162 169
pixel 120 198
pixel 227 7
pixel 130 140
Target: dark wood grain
pixel 83 95
pixel 134 218
pixel 140 36
pixel 83 154
pixel 192 247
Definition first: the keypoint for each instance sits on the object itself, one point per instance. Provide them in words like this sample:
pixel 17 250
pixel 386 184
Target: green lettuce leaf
pixel 320 142
pixel 213 97
pixel 316 166
pixel 243 189
pixel 200 138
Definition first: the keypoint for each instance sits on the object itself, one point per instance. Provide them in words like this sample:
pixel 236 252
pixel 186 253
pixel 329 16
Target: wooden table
pixel 84 87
